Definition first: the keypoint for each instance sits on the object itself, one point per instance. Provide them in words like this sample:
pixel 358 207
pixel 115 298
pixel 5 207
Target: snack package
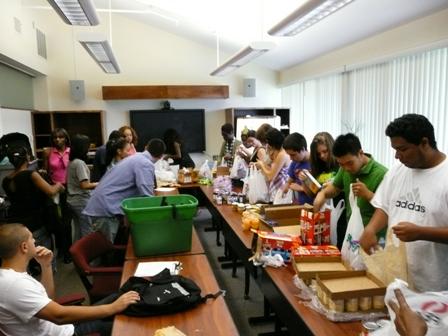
pixel 318 251
pixel 315 227
pixel 271 243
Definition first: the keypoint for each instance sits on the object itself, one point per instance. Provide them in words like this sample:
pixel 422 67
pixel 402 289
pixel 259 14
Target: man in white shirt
pixel 413 201
pixel 26 305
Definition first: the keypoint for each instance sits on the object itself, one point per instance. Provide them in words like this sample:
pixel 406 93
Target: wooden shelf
pixel 89 123
pixel 165 91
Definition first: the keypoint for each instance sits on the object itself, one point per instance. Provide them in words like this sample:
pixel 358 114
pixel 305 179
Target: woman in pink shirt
pixel 56 159
pixel 130 135
pixel 57 156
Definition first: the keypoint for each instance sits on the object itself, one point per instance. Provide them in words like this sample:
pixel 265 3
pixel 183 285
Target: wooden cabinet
pixel 233 113
pixel 89 123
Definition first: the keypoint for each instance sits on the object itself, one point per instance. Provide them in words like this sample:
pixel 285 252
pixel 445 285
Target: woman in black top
pixel 28 193
pixel 175 151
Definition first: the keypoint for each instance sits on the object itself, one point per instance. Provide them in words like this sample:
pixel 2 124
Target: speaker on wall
pixel 77 92
pixel 249 87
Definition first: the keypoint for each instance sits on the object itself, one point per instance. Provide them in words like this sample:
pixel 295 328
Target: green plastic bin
pixel 160 224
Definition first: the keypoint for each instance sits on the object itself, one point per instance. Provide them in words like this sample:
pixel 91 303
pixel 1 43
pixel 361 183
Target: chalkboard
pixel 189 124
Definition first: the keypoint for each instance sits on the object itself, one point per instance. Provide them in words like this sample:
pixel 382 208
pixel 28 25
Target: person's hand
pixel 407 322
pixel 319 201
pixel 361 190
pixel 285 188
pixel 301 175
pixel 43 256
pixel 406 231
pixel 228 156
pixel 125 300
pixel 368 241
pixel 60 187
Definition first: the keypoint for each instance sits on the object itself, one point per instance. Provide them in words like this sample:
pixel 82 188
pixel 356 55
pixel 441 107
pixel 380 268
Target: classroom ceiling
pixel 233 24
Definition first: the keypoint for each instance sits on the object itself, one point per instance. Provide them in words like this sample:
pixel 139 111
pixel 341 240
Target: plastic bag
pixel 258 188
pixel 204 171
pixel 389 263
pixel 283 198
pixel 432 306
pixel 239 168
pixel 336 212
pixel 350 250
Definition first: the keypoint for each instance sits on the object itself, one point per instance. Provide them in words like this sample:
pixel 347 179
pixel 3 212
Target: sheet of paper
pixel 152 268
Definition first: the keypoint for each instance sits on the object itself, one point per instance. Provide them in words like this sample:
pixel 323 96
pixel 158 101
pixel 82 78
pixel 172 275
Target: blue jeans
pixel 82 223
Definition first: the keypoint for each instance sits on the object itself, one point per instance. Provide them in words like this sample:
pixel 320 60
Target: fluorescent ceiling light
pixel 101 52
pixel 76 12
pixel 243 57
pixel 306 15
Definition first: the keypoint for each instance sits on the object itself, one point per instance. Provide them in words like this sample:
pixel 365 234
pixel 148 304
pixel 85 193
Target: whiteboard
pixel 252 123
pixel 12 120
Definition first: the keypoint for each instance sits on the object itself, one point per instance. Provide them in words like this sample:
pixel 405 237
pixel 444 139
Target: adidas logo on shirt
pixel 411 201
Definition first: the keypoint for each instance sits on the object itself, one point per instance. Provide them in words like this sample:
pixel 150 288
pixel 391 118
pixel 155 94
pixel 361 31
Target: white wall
pixel 21 47
pixel 147 56
pixel 12 120
pixel 425 33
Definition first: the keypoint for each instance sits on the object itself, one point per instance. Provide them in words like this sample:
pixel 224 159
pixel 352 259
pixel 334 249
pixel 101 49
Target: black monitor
pixel 190 125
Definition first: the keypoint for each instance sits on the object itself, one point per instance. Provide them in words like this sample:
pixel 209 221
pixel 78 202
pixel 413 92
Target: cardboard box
pixel 222 170
pixel 351 291
pixel 270 224
pixel 309 267
pixel 185 176
pixel 284 211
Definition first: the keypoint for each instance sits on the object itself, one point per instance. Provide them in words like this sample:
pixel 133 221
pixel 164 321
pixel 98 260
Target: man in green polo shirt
pixel 358 170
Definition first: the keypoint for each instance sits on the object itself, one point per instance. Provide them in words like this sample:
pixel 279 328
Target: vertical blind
pixel 374 96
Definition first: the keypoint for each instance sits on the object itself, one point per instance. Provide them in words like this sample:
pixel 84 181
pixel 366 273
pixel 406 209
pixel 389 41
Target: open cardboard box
pixel 354 290
pixel 284 211
pixel 309 267
pixel 267 224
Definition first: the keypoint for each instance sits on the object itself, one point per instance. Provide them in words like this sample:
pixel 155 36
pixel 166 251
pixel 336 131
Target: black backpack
pixel 163 294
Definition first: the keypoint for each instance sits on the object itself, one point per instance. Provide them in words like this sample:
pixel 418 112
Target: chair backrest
pixel 86 249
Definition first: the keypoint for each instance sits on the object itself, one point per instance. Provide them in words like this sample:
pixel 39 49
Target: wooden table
pixel 196 247
pixel 276 284
pixel 211 318
pixel 278 287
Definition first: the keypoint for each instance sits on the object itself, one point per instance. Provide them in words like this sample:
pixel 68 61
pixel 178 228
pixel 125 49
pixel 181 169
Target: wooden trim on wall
pixel 165 91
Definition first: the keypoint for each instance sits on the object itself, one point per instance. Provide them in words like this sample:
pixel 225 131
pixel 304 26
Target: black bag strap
pixel 213 296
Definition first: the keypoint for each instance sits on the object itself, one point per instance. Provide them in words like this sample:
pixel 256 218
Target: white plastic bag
pixel 204 171
pixel 258 188
pixel 283 198
pixel 239 168
pixel 350 247
pixel 432 306
pixel 336 212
